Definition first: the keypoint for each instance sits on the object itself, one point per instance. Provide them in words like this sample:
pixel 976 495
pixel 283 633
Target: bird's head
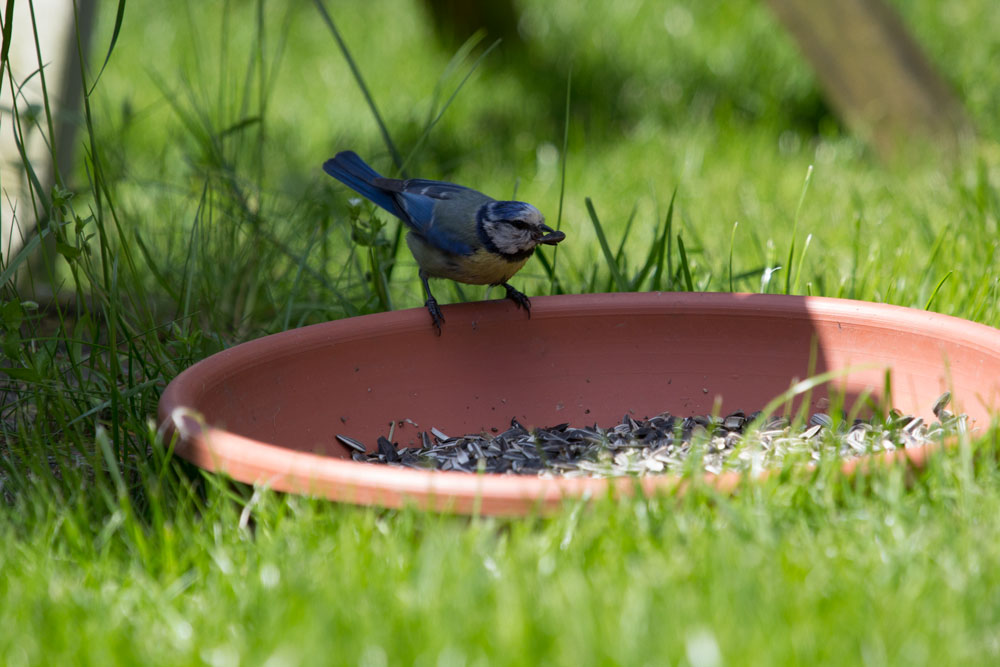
pixel 514 227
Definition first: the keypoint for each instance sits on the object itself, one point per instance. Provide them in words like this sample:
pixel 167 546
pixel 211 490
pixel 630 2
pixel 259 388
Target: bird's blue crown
pixel 509 210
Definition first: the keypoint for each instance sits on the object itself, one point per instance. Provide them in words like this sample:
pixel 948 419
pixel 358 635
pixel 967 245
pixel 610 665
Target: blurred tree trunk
pixel 457 20
pixel 875 74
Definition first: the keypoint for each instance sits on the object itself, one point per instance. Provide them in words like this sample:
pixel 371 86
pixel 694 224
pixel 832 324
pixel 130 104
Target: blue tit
pixel 454 232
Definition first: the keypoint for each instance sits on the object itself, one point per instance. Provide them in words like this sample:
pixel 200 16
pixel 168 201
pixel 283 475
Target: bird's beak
pixel 551 237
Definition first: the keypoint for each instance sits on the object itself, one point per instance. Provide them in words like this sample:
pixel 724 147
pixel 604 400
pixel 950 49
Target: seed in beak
pixel 552 237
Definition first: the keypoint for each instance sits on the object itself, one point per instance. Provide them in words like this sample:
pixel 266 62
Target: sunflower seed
pixel 352 443
pixel 734 422
pixel 386 449
pixel 940 404
pixel 821 419
pixel 812 431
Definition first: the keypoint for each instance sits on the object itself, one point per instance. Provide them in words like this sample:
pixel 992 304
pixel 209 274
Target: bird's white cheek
pixel 512 243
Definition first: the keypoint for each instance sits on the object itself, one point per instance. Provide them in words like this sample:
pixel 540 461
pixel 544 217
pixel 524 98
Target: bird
pixel 454 232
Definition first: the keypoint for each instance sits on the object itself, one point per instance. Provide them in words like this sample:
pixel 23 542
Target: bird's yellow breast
pixel 480 268
pixel 486 268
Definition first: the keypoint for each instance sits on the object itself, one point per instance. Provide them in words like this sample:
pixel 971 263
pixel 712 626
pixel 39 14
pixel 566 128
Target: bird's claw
pixel 518 298
pixel 437 319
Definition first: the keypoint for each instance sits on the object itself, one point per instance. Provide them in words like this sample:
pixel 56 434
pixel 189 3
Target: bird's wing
pixel 442 213
pixel 435 189
pixel 413 201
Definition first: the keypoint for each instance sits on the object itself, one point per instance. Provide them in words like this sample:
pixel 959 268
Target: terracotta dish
pixel 268 411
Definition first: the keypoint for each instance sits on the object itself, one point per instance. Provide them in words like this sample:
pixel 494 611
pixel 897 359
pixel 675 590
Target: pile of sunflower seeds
pixel 664 444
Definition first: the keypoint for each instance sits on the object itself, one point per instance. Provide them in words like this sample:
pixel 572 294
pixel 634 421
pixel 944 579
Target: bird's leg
pixel 518 297
pixel 432 305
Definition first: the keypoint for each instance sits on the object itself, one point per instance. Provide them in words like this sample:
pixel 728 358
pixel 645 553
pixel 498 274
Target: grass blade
pixel 22 255
pixel 619 280
pixel 795 228
pixel 927 306
pixel 663 247
pixel 554 287
pixel 663 261
pixel 8 27
pixel 655 256
pixel 856 243
pixel 802 259
pixel 396 159
pixel 299 269
pixel 685 269
pixel 434 121
pixel 119 15
pixel 647 267
pixel 732 242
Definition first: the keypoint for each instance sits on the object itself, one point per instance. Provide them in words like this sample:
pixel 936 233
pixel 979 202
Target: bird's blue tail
pixel 348 168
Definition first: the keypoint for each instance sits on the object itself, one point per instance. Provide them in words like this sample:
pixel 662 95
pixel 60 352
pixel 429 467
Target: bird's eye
pixel 520 224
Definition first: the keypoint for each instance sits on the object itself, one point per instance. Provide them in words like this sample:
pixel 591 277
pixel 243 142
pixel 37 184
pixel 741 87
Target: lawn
pixel 197 216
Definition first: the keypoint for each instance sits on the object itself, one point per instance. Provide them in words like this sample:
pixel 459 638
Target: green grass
pixel 197 217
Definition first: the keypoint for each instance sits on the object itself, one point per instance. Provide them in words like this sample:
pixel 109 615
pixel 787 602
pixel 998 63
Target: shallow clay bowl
pixel 268 411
